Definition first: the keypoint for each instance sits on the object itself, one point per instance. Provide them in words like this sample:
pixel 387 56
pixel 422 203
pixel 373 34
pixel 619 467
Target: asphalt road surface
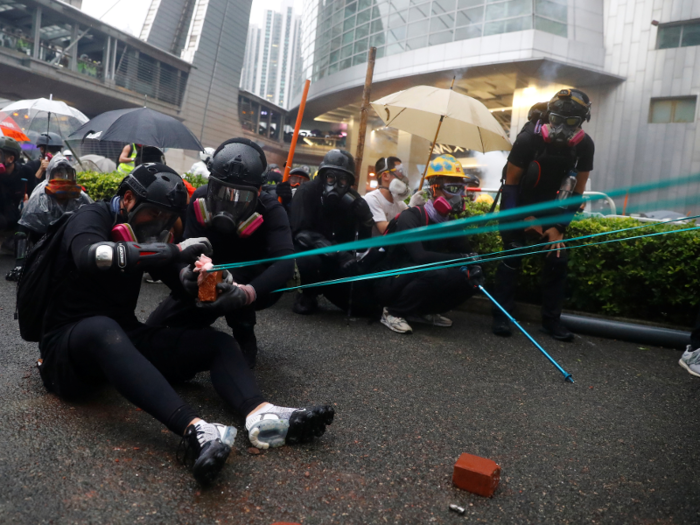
pixel 618 446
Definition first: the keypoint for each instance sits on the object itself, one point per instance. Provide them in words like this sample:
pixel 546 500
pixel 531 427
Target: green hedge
pixel 653 278
pixel 104 185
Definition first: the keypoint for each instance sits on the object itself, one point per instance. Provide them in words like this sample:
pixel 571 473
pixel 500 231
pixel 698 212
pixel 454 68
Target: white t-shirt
pixel 382 209
pixel 199 168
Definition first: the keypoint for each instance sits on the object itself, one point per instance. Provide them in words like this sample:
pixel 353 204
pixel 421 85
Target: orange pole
pixel 624 206
pixel 297 127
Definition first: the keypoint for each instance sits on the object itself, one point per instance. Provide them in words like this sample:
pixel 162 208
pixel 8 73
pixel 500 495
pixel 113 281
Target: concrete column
pixel 74 49
pixel 36 33
pixel 106 58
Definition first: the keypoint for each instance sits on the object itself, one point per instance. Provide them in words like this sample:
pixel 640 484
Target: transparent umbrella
pixel 41 115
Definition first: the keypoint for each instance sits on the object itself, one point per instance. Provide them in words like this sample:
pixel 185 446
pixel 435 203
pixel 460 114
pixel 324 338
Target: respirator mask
pixel 229 208
pixel 453 200
pixel 562 130
pixel 146 223
pixel 399 184
pixel 336 184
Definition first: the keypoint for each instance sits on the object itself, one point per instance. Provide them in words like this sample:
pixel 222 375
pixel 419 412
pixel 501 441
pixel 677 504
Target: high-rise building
pixel 271 59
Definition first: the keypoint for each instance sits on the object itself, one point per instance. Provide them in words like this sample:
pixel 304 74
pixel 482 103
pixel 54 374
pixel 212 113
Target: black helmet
pixel 303 171
pixel 570 103
pixel 149 155
pixel 338 159
pixel 50 139
pixel 11 146
pixel 471 179
pixel 239 161
pixel 158 185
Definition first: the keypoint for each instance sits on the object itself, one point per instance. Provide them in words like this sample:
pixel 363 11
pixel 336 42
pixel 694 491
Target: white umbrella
pixel 46 105
pixel 35 115
pixel 442 115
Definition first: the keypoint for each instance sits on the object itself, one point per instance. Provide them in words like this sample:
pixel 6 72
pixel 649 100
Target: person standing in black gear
pixel 287 190
pixel 550 160
pixel 423 297
pixel 14 181
pixel 243 224
pixel 92 336
pixel 324 212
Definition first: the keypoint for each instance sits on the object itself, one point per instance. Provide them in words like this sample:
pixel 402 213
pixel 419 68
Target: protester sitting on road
pixel 422 297
pixel 202 167
pixel 243 224
pixel 550 160
pixel 287 190
pixel 92 335
pixel 52 198
pixel 387 201
pixel 324 212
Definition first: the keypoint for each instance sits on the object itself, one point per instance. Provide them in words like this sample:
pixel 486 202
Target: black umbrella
pixel 140 126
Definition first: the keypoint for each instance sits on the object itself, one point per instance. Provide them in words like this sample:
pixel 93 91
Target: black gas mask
pixel 229 208
pixel 336 184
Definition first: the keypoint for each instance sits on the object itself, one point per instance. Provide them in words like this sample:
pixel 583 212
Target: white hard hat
pixel 205 155
pixel 67 153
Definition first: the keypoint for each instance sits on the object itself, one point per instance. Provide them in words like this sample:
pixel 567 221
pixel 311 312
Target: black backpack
pixel 37 285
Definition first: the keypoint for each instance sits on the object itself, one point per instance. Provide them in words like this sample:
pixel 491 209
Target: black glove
pixel 191 249
pixel 230 298
pixel 361 210
pixel 348 264
pixel 475 275
pixel 189 281
pixel 15 273
pixel 284 192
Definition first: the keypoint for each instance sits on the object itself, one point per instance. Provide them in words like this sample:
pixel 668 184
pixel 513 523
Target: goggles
pixel 238 202
pixel 558 120
pixel 339 178
pixel 297 180
pixel 63 172
pixel 151 223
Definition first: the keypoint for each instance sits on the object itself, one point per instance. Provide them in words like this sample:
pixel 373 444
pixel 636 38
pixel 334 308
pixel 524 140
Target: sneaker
pixel 397 324
pixel 501 327
pixel 431 319
pixel 206 447
pixel 690 360
pixel 305 304
pixel 557 331
pixel 279 426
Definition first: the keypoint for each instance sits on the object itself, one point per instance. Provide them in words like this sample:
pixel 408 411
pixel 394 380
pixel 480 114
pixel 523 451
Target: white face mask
pixel 399 189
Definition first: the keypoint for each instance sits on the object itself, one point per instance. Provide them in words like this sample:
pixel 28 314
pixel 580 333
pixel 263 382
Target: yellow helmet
pixel 484 197
pixel 445 166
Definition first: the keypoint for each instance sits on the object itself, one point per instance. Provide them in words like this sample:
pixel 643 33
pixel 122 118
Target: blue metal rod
pixel 567 376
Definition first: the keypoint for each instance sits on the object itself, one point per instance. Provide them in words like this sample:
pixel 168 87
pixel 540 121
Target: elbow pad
pixel 126 256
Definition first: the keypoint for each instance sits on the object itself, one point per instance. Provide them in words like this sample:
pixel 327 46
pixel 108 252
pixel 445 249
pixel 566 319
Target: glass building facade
pixel 336 34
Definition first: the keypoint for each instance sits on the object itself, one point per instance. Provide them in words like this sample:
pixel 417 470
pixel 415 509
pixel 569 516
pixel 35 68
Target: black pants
pixel 318 268
pixel 180 313
pixel 695 334
pixel 553 282
pixel 141 361
pixel 432 292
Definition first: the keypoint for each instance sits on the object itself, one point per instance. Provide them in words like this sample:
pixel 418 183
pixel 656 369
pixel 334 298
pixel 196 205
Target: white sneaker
pixel 690 360
pixel 431 319
pixel 397 324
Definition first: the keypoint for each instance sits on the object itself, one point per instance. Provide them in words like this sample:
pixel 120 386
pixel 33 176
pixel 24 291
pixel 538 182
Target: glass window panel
pixel 361 45
pixel 335 55
pixel 337 17
pixel 346 63
pixel 441 38
pixel 398 34
pixel 440 7
pixel 417 28
pixel 377 26
pixel 377 40
pixel 392 49
pixel 362 31
pixel 397 19
pixel 348 37
pixel 461 4
pixel 661 111
pixel 551 10
pixel 691 35
pixel 363 16
pixel 380 52
pixel 669 37
pixel 398 5
pixel 418 13
pixel 418 2
pixel 359 59
pixel 550 26
pixel 518 24
pixel 333 68
pixel 470 16
pixel 335 43
pixel 364 3
pixel 442 22
pixel 346 51
pixel 464 33
pixel 496 11
pixel 494 28
pixel 376 13
pixel 417 43
pixel 350 9
pixel 685 110
pixel 349 23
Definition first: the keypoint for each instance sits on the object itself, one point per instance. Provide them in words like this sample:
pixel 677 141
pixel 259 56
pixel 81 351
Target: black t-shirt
pixel 272 239
pixel 308 214
pixel 79 295
pixel 12 190
pixel 423 252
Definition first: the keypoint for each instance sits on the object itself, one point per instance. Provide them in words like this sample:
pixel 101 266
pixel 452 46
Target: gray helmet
pixel 338 159
pixel 11 146
pixel 50 139
pixel 239 161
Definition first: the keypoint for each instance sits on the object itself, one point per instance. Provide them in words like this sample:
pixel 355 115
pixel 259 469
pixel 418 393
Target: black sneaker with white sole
pixel 205 448
pixel 280 426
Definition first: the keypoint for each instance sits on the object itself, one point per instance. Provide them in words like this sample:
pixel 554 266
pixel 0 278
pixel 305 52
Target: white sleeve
pixel 378 214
